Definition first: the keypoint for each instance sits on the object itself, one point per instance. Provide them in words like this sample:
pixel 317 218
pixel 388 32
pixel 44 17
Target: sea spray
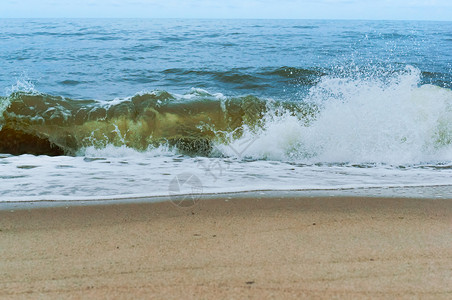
pixel 372 120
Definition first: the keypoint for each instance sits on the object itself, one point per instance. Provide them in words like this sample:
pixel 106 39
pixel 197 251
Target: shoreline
pixel 245 246
pixel 439 192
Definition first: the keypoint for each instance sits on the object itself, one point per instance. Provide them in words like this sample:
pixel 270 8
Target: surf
pixel 391 119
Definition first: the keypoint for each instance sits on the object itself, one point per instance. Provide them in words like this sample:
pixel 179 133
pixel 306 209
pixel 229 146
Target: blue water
pixel 379 97
pixel 108 58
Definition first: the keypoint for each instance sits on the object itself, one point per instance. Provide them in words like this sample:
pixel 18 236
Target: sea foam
pixel 392 120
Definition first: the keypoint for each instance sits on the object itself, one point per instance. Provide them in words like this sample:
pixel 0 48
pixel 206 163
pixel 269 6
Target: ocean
pixel 118 108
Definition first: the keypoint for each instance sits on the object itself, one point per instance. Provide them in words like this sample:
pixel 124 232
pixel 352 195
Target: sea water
pixel 117 108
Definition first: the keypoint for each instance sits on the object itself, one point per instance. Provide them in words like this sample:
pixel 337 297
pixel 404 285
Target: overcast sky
pixel 293 9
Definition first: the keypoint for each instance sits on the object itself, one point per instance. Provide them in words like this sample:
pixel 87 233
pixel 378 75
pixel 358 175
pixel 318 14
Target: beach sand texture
pixel 238 248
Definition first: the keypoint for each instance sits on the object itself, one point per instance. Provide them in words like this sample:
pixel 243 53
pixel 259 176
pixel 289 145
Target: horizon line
pixel 232 18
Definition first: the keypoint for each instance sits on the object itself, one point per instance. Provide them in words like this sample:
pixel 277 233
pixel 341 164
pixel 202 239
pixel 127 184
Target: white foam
pixel 392 121
pixel 123 151
pixel 34 178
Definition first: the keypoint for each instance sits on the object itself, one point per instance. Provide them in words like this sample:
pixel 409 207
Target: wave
pixel 233 76
pixel 240 76
pixel 37 123
pixel 291 72
pixel 394 120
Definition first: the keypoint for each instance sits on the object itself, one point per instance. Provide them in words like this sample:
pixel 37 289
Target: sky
pixel 440 10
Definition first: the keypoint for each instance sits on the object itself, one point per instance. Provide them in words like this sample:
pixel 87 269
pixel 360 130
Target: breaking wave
pixel 394 119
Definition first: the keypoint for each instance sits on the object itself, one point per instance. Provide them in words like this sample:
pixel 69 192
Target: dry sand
pixel 240 248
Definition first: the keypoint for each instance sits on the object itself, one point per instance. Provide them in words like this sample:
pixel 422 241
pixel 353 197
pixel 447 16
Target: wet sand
pixel 242 247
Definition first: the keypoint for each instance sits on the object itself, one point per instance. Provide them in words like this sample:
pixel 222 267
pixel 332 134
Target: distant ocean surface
pixel 117 108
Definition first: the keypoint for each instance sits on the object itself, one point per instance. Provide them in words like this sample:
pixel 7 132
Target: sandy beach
pixel 236 248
